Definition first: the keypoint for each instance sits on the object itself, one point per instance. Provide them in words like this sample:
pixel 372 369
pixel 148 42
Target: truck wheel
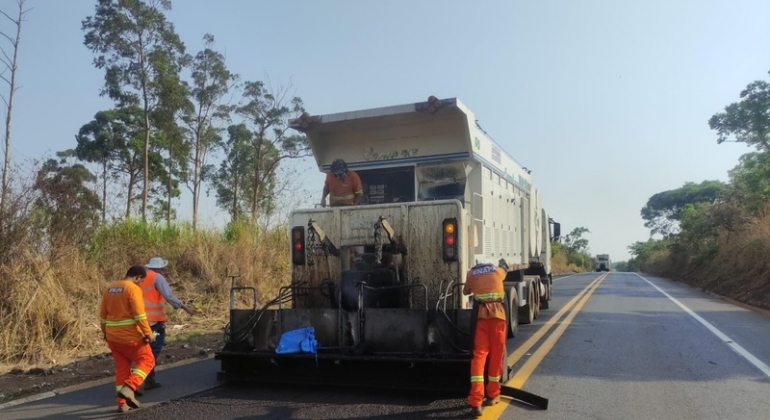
pixel 544 302
pixel 538 297
pixel 513 313
pixel 527 312
pixel 506 376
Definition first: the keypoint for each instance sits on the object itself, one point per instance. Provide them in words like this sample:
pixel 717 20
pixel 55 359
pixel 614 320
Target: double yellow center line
pixel 573 307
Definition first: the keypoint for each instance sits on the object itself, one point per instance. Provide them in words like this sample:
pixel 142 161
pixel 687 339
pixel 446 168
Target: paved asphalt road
pixel 613 347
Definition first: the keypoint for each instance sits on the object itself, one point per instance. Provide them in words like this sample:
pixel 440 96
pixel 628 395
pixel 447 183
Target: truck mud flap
pixel 524 396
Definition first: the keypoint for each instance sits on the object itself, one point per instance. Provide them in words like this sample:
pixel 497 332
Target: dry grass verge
pixel 559 265
pixel 737 268
pixel 49 304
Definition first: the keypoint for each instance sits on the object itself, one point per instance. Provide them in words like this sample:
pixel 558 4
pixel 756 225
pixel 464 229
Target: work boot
pixel 148 385
pixel 123 408
pixel 128 393
pixel 476 411
pixel 492 401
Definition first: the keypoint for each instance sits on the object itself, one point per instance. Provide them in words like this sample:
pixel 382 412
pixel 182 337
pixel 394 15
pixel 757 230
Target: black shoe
pixel 476 411
pixel 151 385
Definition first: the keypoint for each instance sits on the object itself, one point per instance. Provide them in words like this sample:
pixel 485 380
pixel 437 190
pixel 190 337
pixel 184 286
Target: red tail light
pixel 298 245
pixel 449 249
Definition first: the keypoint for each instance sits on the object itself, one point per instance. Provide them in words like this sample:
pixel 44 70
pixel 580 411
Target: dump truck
pixel 602 262
pixel 379 284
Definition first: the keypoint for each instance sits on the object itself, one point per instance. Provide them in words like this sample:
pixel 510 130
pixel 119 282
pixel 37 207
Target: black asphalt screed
pixel 306 402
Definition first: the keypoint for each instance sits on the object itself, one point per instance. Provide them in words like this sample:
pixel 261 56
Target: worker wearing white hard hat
pixel 156 292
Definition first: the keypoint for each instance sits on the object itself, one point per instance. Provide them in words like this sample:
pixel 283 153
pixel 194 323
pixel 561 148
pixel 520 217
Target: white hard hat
pixel 156 262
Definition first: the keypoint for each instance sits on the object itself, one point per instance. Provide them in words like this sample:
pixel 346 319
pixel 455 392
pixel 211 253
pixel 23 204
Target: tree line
pixel 695 221
pixel 173 113
pixel 573 250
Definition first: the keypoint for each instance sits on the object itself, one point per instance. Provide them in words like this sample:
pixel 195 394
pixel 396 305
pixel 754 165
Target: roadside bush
pixel 49 304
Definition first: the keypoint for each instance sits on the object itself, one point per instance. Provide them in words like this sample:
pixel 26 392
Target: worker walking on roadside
pixel 343 184
pixel 157 291
pixel 125 328
pixel 485 282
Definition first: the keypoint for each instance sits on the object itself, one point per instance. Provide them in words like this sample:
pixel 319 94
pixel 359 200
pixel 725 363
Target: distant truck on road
pixel 602 262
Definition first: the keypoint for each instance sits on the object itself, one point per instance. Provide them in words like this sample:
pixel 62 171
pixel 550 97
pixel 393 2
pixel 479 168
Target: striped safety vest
pixel 154 303
pixel 486 283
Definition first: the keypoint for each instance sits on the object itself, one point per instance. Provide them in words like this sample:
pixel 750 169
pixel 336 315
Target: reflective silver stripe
pixel 139 373
pixel 335 198
pixel 489 296
pixel 120 323
pixel 477 378
pixel 148 304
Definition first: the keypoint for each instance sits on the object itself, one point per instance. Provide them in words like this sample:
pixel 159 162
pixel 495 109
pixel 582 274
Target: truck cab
pixel 602 262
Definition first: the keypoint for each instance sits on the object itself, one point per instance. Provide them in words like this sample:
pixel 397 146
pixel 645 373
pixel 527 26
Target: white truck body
pixel 603 262
pixel 419 168
pixel 378 284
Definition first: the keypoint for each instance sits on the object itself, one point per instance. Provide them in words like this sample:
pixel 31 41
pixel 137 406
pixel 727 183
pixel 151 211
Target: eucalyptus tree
pixel 141 54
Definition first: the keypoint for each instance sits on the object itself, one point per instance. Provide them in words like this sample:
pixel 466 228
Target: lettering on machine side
pixel 369 154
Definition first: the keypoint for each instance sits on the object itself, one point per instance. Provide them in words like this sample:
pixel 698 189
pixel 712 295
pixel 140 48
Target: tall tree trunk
pixel 196 181
pixel 11 91
pixel 169 187
pixel 146 104
pixel 145 185
pixel 129 198
pixel 236 182
pixel 257 171
pixel 104 190
pixel 255 197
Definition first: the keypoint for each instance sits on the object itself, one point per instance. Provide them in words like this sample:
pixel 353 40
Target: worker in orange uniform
pixel 343 184
pixel 485 282
pixel 125 328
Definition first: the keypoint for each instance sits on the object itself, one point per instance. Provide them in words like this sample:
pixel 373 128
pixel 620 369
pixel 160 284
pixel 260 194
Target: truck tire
pixel 513 313
pixel 527 312
pixel 538 298
pixel 506 376
pixel 544 302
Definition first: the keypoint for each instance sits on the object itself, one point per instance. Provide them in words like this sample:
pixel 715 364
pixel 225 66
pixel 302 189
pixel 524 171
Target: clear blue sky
pixel 606 101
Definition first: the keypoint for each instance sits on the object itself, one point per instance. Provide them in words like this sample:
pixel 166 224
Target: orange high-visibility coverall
pixel 343 191
pixel 124 324
pixel 485 282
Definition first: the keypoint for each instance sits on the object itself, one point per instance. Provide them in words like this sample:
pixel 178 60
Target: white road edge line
pixel 566 277
pixel 727 340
